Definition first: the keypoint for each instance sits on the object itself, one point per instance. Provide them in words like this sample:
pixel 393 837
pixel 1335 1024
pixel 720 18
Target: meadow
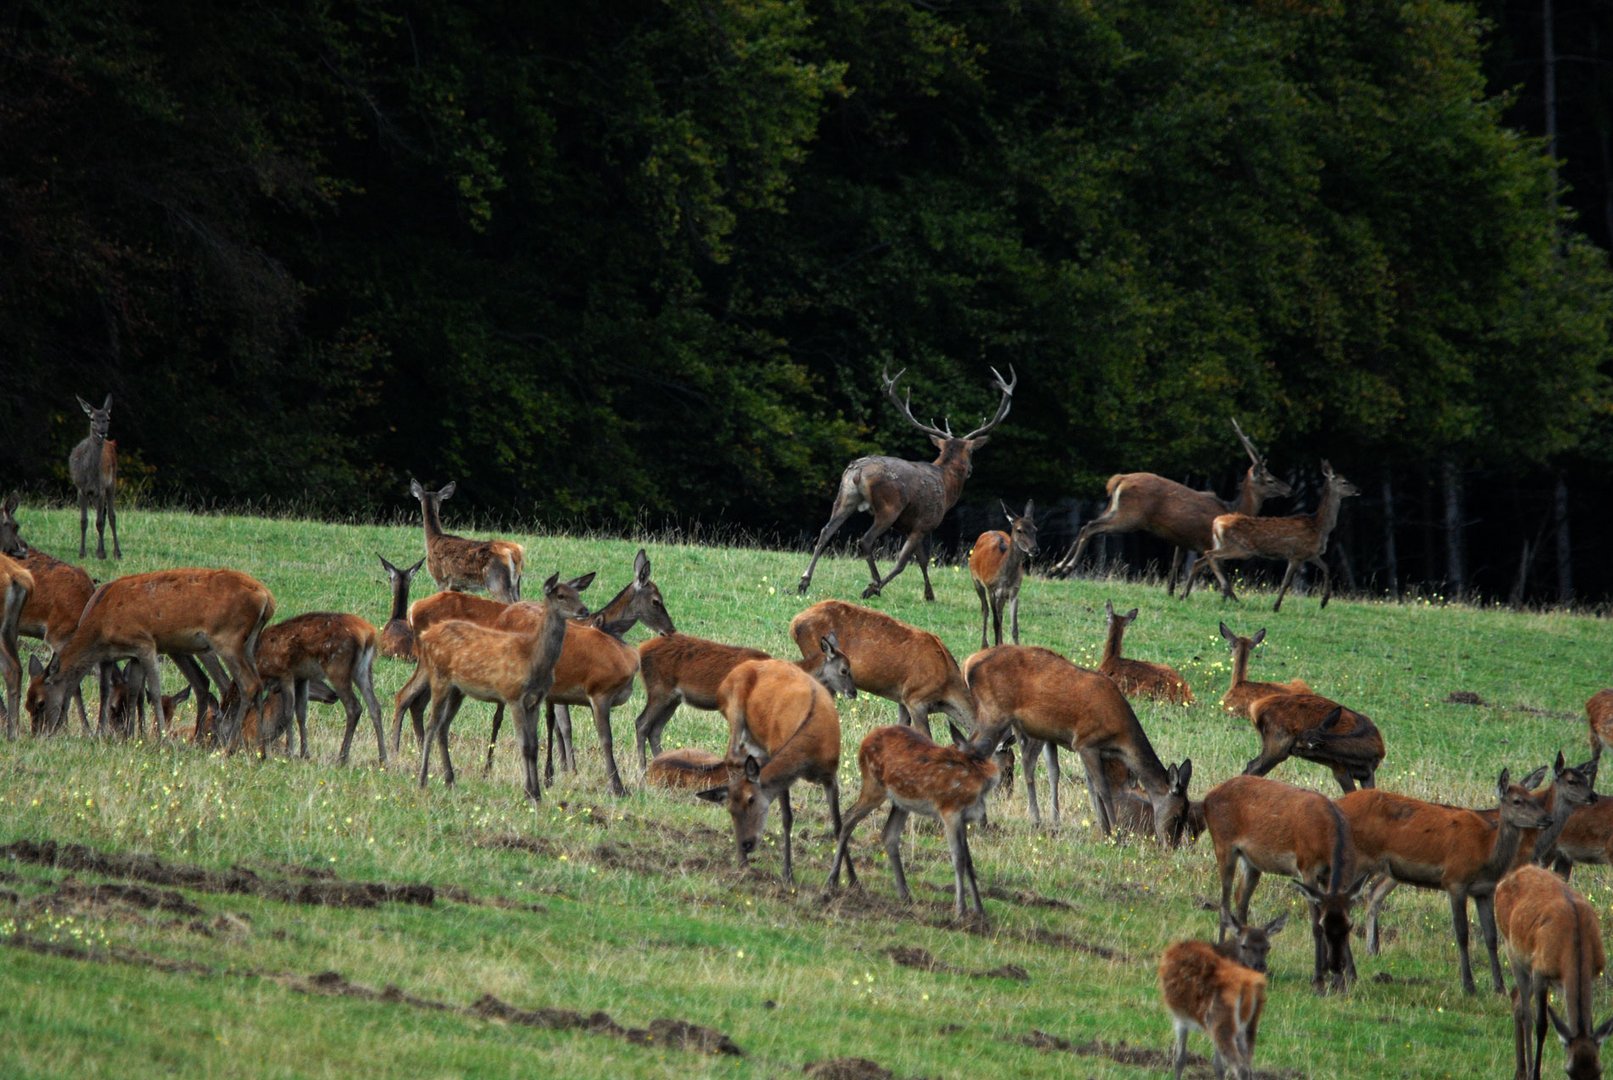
pixel 598 936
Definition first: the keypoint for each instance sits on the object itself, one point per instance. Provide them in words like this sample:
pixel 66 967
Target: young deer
pixel 1138 678
pixel 683 670
pixel 456 563
pixel 688 769
pixel 60 592
pixel 1315 728
pixel 1178 515
pixel 16 586
pixel 1553 939
pixel 124 690
pixel 910 496
pixel 997 565
pixel 1206 989
pixel 462 659
pixel 1134 811
pixel 94 466
pixel 889 659
pixel 777 711
pixel 1268 827
pixel 1243 693
pixel 1049 700
pixel 1599 711
pixel 904 768
pixel 397 637
pixel 1300 539
pixel 328 645
pixel 1443 847
pixel 179 612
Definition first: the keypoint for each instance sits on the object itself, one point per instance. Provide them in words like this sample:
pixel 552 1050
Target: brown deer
pixel 1315 728
pixel 179 612
pixel 321 645
pixel 683 670
pixel 93 464
pixel 889 659
pixel 782 727
pixel 1599 711
pixel 910 496
pixel 397 636
pixel 1553 939
pixel 1243 693
pixel 456 563
pixel 462 659
pixel 1444 847
pixel 1300 539
pixel 1138 678
pixel 1586 838
pixel 1206 989
pixel 60 592
pixel 904 768
pixel 687 769
pixel 16 586
pixel 125 694
pixel 997 566
pixel 1178 515
pixel 1134 811
pixel 1048 700
pixel 1267 827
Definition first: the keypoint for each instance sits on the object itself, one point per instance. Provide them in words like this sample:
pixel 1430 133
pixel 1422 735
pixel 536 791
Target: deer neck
pixel 953 463
pixel 617 617
pixel 1508 838
pixel 428 514
pixel 547 644
pixel 1240 665
pixel 1248 499
pixel 1546 838
pixel 1327 516
pixel 400 600
pixel 1111 642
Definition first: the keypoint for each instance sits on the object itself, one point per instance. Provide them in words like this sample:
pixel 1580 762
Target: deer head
pixel 1022 527
pixel 955 447
pixel 11 542
pixel 100 419
pixel 647 603
pixel 1250 944
pixel 835 671
pixel 1260 478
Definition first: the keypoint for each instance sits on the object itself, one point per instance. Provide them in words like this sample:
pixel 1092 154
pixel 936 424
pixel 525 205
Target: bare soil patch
pixel 75 896
pixel 1125 1054
pixel 851 1068
pixel 922 959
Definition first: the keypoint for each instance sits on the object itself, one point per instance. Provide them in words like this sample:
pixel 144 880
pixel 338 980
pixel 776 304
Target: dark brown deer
pixel 1599 712
pixel 456 563
pixel 1138 678
pixel 1267 827
pixel 1299 539
pixel 94 467
pixel 1212 988
pixel 1178 515
pixel 997 566
pixel 335 647
pixel 397 636
pixel 1315 728
pixel 125 693
pixel 16 586
pixel 1553 939
pixel 910 496
pixel 1134 810
pixel 60 592
pixel 462 659
pixel 1242 693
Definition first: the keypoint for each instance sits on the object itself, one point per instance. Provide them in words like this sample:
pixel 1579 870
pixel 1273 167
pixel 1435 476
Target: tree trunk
pixel 1455 551
pixel 1565 547
pixel 1391 560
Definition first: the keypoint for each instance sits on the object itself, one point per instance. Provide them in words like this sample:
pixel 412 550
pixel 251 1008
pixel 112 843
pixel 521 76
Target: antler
pixel 1254 455
pixel 1007 388
pixel 907 406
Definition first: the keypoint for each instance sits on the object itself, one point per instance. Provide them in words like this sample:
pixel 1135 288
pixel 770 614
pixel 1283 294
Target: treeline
pixel 637 262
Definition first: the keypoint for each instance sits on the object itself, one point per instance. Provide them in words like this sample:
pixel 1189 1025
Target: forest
pixel 641 264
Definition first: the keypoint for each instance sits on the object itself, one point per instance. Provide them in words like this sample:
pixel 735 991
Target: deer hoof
pixel 871 591
pixel 800 590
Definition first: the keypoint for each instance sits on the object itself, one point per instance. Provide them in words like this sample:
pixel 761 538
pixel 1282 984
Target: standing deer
pixel 1267 827
pixel 911 496
pixel 1242 693
pixel 1138 678
pixel 902 767
pixel 94 467
pixel 1210 988
pixel 16 586
pixel 779 712
pixel 1599 712
pixel 456 563
pixel 397 637
pixel 997 565
pixel 1049 700
pixel 1315 728
pixel 1553 939
pixel 1300 539
pixel 320 645
pixel 1178 515
pixel 60 592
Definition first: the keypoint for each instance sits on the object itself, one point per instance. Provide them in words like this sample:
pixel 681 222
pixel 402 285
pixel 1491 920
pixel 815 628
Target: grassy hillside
pixel 214 962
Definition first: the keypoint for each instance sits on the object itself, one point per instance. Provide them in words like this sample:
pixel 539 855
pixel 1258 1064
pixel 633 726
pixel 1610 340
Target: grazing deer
pixel 1243 693
pixel 904 768
pixel 997 565
pixel 1206 989
pixel 1178 515
pixel 462 659
pixel 456 563
pixel 179 612
pixel 1134 811
pixel 1553 939
pixel 1049 700
pixel 124 690
pixel 94 466
pixel 16 586
pixel 889 659
pixel 683 670
pixel 397 636
pixel 1300 539
pixel 1318 729
pixel 1444 847
pixel 328 645
pixel 60 592
pixel 775 710
pixel 1599 711
pixel 1138 678
pixel 688 769
pixel 1267 827
pixel 911 496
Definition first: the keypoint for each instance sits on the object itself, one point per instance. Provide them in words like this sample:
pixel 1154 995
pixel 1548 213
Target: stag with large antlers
pixel 1178 515
pixel 910 496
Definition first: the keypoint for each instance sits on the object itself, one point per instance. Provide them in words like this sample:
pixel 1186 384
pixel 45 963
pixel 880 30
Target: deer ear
pixel 1560 764
pixel 1310 894
pixel 1007 513
pixel 1260 635
pixel 976 444
pixel 1504 782
pixel 938 442
pixel 1130 615
pixel 551 583
pixel 13 501
pixel 1562 1029
pixel 1275 927
pixel 1030 508
pixel 183 695
pixel 89 410
pixel 753 768
pixel 1603 1031
pixel 1533 780
pixel 1185 773
pixel 713 794
pixel 415 568
pixel 415 489
pixel 583 582
pixel 35 668
pixel 107 407
pixel 641 568
pixel 1227 633
pixel 829 644
pixel 957 736
pixel 1358 885
pixel 390 569
pixel 448 490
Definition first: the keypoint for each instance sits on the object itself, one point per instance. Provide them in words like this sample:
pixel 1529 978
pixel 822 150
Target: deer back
pixel 1587 837
pixel 775 707
pixel 990 556
pixel 889 658
pixel 318 644
pixel 1281 829
pixel 442 606
pixel 924 777
pixel 1138 678
pixel 177 611
pixel 592 664
pixel 1436 845
pixel 1201 985
pixel 1551 928
pixel 691 666
pixel 1144 502
pixel 493 665
pixel 1292 716
pixel 60 592
pixel 1599 712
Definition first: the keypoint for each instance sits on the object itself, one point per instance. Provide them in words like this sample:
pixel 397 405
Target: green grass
pixel 643 913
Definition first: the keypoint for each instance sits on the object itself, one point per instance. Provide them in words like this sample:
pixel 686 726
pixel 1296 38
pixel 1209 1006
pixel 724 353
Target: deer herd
pixel 252 678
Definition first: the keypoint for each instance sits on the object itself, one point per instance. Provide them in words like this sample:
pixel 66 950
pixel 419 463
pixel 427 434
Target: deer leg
pixel 568 749
pixel 1486 908
pixel 1246 890
pixel 1053 780
pixel 843 509
pixel 892 835
pixel 869 799
pixel 364 675
pixel 1539 986
pixel 1380 892
pixel 1029 750
pixel 148 665
pixel 903 556
pixel 919 717
pixel 527 721
pixel 1098 790
pixel 985 613
pixel 349 700
pixel 787 820
pixel 650 722
pixel 299 687
pixel 606 746
pixel 996 618
pixel 1288 577
pixel 199 688
pixel 1327 578
pixel 1459 928
pixel 440 717
pixel 924 567
pixel 492 739
pixel 100 528
pixel 1013 607
pixel 1180 1061
pixel 1194 572
pixel 953 826
pixel 1175 571
pixel 414 696
pixel 548 746
pixel 83 520
pixel 112 515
